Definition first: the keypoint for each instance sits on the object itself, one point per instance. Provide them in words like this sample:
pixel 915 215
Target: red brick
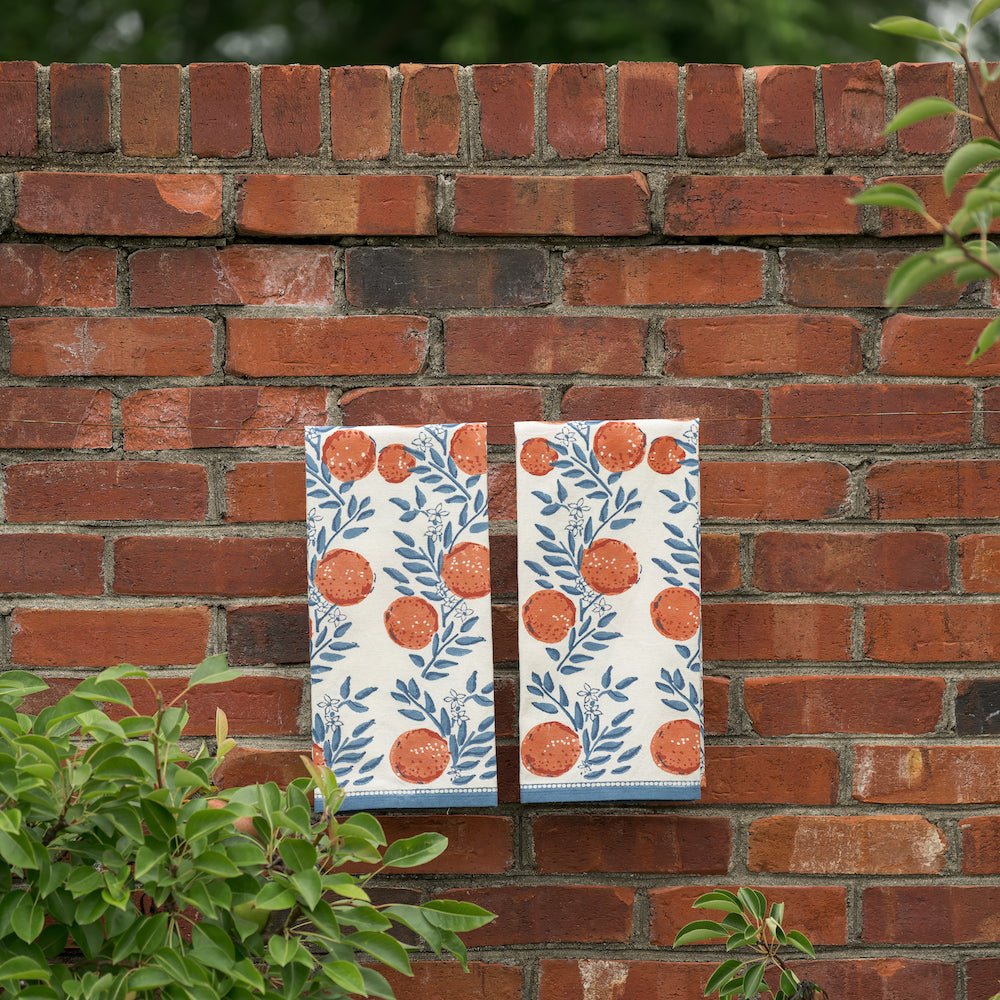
pixel 147 637
pixel 232 567
pixel 502 492
pixel 786 114
pixel 430 110
pixel 871 414
pixel 540 914
pixel 80 107
pixel 505 625
pixel 979 557
pixel 930 914
pixel 852 277
pixel 612 205
pixel 773 491
pixel 639 276
pixel 879 703
pixel 221 417
pixel 505 692
pixel 106 345
pixel 819 911
pixel 760 206
pixel 728 416
pixel 500 405
pixel 120 204
pixel 267 633
pixel 608 843
pixel 854 107
pixel 933 633
pixel 266 491
pixel 929 775
pixel 713 109
pixel 930 189
pixel 768 632
pixel 327 345
pixel 289 110
pixel 934 345
pixel 106 491
pixel 762 345
pixel 544 345
pixel 336 205
pixel 51 564
pixel 506 96
pixel 799 775
pixel 220 109
pixel 716 695
pixel 576 112
pixel 18 108
pixel 917 80
pixel 991 414
pixel 35 275
pixel 447 979
pixel 923 491
pixel 982 129
pixel 980 845
pixel 360 112
pixel 244 766
pixel 846 845
pixel 503 564
pixel 850 562
pixel 720 563
pixel 647 109
pixel 477 845
pixel 150 110
pixel 53 417
pixel 233 275
pixel 982 978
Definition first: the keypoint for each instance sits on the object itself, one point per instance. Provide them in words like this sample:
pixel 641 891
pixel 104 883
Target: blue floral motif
pixel 344 752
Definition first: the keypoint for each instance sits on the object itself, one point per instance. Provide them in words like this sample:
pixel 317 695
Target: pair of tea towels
pixel 609 612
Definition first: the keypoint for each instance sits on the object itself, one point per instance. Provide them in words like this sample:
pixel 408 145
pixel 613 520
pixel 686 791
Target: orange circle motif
pixel 550 749
pixel 609 566
pixel 411 622
pixel 676 747
pixel 466 570
pixel 619 445
pixel 419 756
pixel 676 613
pixel 349 454
pixel 548 615
pixel 394 463
pixel 537 456
pixel 468 448
pixel 344 577
pixel 665 456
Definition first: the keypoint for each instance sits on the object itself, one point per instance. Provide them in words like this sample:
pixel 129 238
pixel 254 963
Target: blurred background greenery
pixel 339 32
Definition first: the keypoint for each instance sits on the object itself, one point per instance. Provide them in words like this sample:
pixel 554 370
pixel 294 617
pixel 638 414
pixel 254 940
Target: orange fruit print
pixel 619 445
pixel 676 613
pixel 537 456
pixel 676 747
pixel 344 577
pixel 349 454
pixel 548 615
pixel 465 570
pixel 419 756
pixel 665 456
pixel 468 449
pixel 411 622
pixel 394 463
pixel 609 566
pixel 550 749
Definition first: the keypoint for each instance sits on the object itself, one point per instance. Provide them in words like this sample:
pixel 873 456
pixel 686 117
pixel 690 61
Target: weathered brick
pixel 980 845
pixel 657 844
pixel 762 345
pixel 760 206
pixel 991 414
pixel 612 205
pixel 18 108
pixel 933 633
pixel 447 979
pixel 977 707
pixel 786 113
pixel 266 491
pixel 336 205
pixel 360 112
pixel 232 276
pixel 147 637
pixel 930 189
pixel 506 96
pixel 289 110
pixel 51 563
pixel 80 113
pixel 54 417
pixel 267 633
pixel 854 107
pixel 232 567
pixel 245 766
pixel 982 976
pixel 150 110
pixel 430 110
pixel 713 109
pixel 327 345
pixel 871 414
pixel 929 775
pixel 106 491
pixel 647 108
pixel 917 80
pixel 773 491
pixel 575 110
pixel 850 562
pixel 638 276
pixel 32 274
pixel 720 563
pixel 930 914
pixel 934 345
pixel 544 345
pixel 220 109
pixel 928 490
pixel 106 345
pixel 775 632
pixel 221 417
pixel 979 559
pixel 846 845
pixel 120 204
pixel 787 775
pixel 477 845
pixel 446 277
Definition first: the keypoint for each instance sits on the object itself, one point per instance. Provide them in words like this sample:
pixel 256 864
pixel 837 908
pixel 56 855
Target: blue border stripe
pixel 610 793
pixel 448 797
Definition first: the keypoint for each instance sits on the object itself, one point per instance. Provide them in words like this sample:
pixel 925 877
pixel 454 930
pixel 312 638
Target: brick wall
pixel 197 262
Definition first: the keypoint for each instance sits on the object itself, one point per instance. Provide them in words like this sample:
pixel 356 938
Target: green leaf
pixel 274 897
pixel 721 974
pixel 414 851
pixel 982 10
pixel 281 949
pixel 789 982
pixel 149 978
pixel 377 985
pixel 17 684
pixel 753 978
pixel 909 27
pixel 752 902
pixel 23 967
pixel 216 863
pixel 211 946
pixel 309 886
pixel 891 196
pixel 919 111
pixel 698 931
pixel 989 336
pixel 915 273
pixel 208 820
pixel 451 915
pixel 383 947
pixel 967 158
pixel 214 670
pixel 365 826
pixel 800 942
pixel 15 849
pixel 720 900
pixel 345 974
pixel 298 855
